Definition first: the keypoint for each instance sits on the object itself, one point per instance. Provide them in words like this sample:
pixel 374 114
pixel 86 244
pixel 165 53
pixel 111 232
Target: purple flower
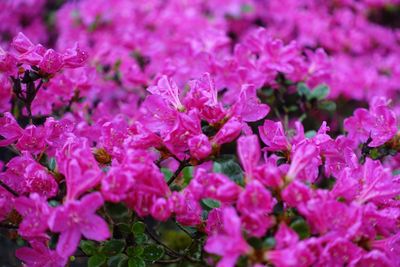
pixel 228 242
pixel 40 256
pixel 35 212
pixel 273 135
pixel 76 218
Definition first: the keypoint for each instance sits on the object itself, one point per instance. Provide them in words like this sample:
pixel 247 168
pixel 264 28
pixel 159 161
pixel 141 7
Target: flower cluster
pixel 213 133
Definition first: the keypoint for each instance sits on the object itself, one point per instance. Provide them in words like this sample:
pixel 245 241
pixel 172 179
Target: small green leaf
pixel 136 262
pixel 120 260
pixel 210 204
pixel 152 253
pixel 281 161
pixel 124 227
pixel 113 247
pixel 134 251
pixel 396 172
pixel 230 168
pixel 303 90
pixel 374 153
pixel 140 238
pixel 301 227
pixel 117 211
pixel 246 8
pixel 310 134
pixel 187 175
pixel 52 164
pixel 269 242
pixel 320 92
pixel 138 228
pixel 327 105
pixel 88 247
pixel 97 261
pixel 167 173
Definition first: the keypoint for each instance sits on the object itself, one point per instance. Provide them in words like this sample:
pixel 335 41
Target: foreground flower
pixel 228 242
pixel 76 218
pixel 40 256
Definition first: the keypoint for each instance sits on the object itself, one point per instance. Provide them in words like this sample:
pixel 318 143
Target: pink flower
pixel 35 212
pixel 32 140
pixel 40 256
pixel 254 204
pixel 21 43
pixel 296 193
pixel 273 135
pixel 248 106
pixel 370 182
pixel 9 129
pixel 168 90
pixel 297 255
pixel 379 123
pixel 370 259
pixel 186 208
pixel 339 218
pixel 25 175
pixel 214 222
pixel 285 237
pixel 74 57
pixel 161 210
pixel 339 252
pixel 249 153
pixel 117 183
pixel 76 218
pixel 6 203
pixel 228 242
pixel 52 62
pixel 228 132
pixel 199 146
pixel 76 161
pixel 305 157
pixel 213 185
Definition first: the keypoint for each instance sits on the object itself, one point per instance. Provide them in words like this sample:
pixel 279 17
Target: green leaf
pixel 97 261
pixel 210 204
pixel 134 251
pixel 140 238
pixel 310 134
pixel 136 262
pixel 246 8
pixel 230 168
pixel 303 90
pixel 167 173
pixel 269 242
pixel 320 92
pixel 152 253
pixel 396 172
pixel 327 105
pixel 124 227
pixel 88 247
pixel 138 228
pixel 52 164
pixel 187 175
pixel 117 211
pixel 301 227
pixel 120 260
pixel 113 247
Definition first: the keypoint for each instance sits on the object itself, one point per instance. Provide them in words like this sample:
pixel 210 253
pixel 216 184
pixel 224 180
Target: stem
pixel 9 189
pixel 155 238
pixel 8 226
pixel 182 165
pixel 184 230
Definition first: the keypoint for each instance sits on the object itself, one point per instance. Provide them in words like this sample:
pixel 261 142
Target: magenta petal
pixel 92 202
pixel 95 228
pixel 68 242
